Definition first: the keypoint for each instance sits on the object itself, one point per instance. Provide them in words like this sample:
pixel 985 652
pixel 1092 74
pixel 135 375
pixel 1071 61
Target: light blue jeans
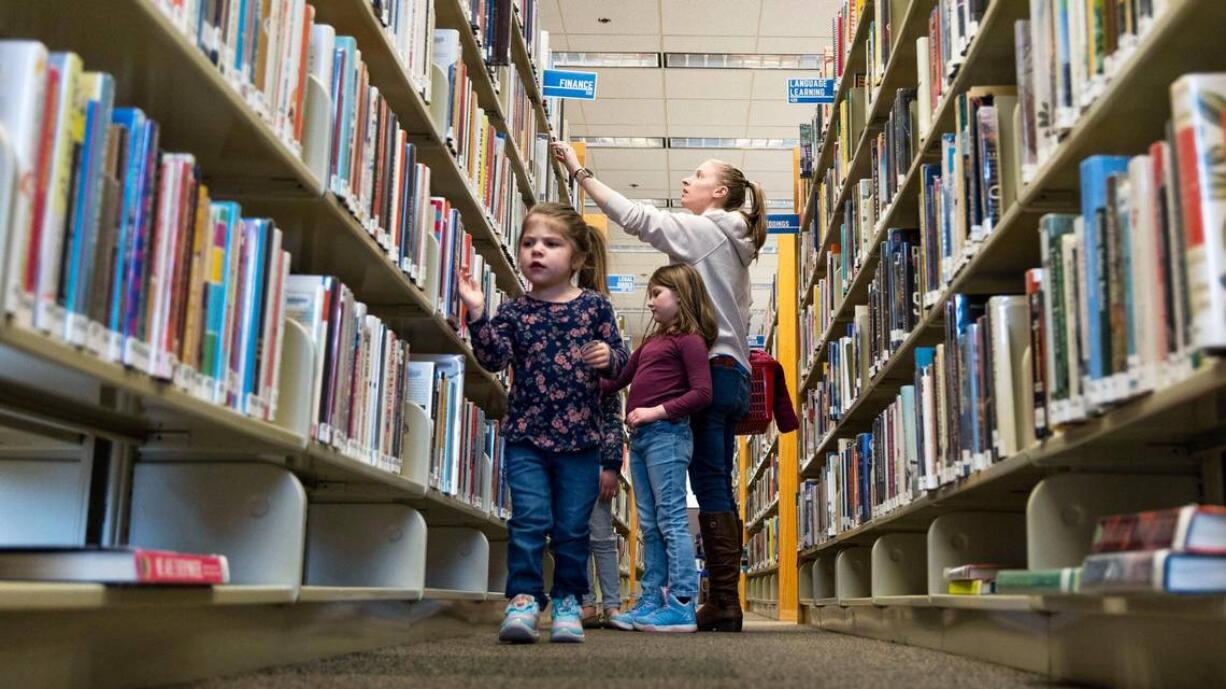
pixel 659 455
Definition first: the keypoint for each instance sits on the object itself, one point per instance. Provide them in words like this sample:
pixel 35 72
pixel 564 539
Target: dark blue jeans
pixel 552 494
pixel 715 439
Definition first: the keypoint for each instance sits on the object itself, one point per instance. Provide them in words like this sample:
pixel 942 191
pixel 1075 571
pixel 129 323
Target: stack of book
pixel 763 546
pixel 260 48
pixel 115 247
pixel 973 579
pixel 360 379
pixel 467 453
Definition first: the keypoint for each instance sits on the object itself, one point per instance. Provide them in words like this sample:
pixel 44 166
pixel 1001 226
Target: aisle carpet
pixel 769 655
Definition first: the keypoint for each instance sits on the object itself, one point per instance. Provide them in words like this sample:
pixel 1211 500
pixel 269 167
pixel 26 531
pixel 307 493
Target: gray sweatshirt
pixel 717 244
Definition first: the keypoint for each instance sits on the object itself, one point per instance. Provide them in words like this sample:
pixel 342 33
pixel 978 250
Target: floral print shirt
pixel 555 402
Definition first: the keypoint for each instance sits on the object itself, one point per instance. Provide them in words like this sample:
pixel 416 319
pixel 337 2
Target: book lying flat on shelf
pixel 1020 581
pixel 1187 529
pixel 113 566
pixel 1156 571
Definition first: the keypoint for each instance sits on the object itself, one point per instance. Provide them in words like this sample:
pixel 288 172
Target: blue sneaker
pixel 567 621
pixel 675 616
pixel 519 624
pixel 643 607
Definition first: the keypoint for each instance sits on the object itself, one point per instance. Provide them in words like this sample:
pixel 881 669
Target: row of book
pixel 260 48
pixel 468 452
pixel 763 492
pixel 1067 53
pixel 409 25
pixel 952 27
pixel 116 247
pixel 762 547
pixel 1174 550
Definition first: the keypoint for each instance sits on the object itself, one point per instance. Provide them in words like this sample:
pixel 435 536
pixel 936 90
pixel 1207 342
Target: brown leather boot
pixel 721 543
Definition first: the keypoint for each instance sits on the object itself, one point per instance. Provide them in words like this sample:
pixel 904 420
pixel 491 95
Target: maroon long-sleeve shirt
pixel 671 370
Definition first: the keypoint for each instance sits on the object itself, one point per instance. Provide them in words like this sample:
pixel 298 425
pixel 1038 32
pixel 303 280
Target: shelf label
pixel 621 284
pixel 565 84
pixel 782 223
pixel 811 90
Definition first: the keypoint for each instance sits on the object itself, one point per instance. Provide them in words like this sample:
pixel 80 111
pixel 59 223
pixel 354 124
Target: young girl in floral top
pixel 560 340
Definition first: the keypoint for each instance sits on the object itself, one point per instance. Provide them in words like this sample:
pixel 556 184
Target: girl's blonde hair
pixel 738 189
pixel 587 241
pixel 695 312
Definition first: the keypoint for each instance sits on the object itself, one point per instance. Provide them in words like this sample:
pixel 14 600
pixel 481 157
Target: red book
pixel 113 566
pixel 1187 529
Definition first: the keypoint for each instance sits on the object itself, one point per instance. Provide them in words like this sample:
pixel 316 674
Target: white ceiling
pixel 730 103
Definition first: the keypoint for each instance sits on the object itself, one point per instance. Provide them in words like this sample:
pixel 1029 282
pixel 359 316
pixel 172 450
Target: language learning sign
pixel 811 90
pixel 782 223
pixel 574 85
pixel 621 284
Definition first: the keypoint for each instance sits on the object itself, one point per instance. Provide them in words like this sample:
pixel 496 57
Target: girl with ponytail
pixel 560 339
pixel 719 238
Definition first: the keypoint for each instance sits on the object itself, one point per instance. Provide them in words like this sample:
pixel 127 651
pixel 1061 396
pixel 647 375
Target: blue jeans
pixel 552 494
pixel 715 439
pixel 659 454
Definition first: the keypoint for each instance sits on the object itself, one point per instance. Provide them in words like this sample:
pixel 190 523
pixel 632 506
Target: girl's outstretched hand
pixel 565 155
pixel 597 354
pixel 471 295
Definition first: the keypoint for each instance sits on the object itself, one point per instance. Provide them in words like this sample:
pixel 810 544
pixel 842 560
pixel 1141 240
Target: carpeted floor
pixel 769 655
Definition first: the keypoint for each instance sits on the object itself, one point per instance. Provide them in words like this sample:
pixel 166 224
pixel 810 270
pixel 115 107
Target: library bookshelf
pixel 879 572
pixel 104 454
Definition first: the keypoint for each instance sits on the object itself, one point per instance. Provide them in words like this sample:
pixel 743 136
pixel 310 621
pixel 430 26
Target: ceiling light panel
pixel 621 141
pixel 741 61
pixel 720 142
pixel 584 59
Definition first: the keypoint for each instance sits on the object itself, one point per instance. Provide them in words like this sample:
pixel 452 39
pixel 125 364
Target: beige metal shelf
pixel 328 594
pixel 1162 424
pixel 773 569
pixel 41 595
pixel 450 594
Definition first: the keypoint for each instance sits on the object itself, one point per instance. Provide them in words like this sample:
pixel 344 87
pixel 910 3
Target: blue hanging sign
pixel 574 85
pixel 621 284
pixel 812 90
pixel 782 223
pixel 756 341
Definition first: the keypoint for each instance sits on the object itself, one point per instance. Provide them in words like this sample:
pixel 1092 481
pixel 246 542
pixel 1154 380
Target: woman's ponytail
pixel 739 189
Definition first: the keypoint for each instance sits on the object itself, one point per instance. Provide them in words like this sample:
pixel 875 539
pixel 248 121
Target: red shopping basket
pixel 761 393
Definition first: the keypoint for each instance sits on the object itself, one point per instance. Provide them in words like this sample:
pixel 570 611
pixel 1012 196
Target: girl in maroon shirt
pixel 670 380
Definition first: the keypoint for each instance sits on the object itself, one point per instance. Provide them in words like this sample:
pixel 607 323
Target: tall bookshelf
pixel 103 454
pixel 879 572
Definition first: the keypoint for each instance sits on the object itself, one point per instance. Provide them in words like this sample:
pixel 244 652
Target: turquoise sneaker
pixel 567 621
pixel 672 617
pixel 519 624
pixel 644 606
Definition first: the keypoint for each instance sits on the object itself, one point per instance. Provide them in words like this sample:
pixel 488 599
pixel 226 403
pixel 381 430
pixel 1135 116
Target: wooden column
pixel 786 335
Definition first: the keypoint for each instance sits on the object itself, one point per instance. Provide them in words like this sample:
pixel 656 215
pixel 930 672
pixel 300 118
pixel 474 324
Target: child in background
pixel 669 381
pixel 560 340
pixel 604 545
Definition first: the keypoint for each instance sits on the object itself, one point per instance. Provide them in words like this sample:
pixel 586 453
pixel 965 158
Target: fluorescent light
pixel 621 141
pixel 741 61
pixel 720 142
pixel 583 59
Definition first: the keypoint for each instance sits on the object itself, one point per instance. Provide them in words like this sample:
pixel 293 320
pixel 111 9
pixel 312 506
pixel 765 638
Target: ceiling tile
pixel 708 43
pixel 629 83
pixel 684 161
pixel 611 129
pixel 625 17
pixel 603 159
pixel 622 179
pixel 793 44
pixel 733 84
pixel 551 16
pixel 700 18
pixel 772 84
pixel 796 17
pixel 778 113
pixel 757 162
pixel 625 111
pixel 765 132
pixel 695 130
pixel 708 112
pixel 615 43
